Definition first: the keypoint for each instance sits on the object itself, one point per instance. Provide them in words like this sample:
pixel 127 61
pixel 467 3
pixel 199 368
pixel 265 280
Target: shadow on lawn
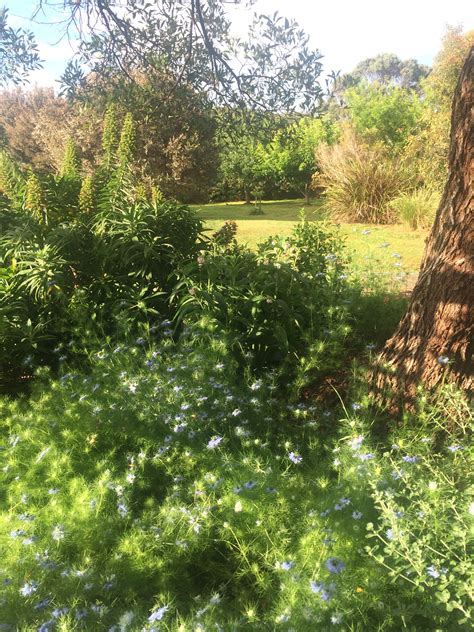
pixel 268 210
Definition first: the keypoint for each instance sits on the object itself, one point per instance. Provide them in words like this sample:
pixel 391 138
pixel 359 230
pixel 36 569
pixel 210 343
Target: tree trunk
pixel 434 341
pixel 307 199
pixel 248 199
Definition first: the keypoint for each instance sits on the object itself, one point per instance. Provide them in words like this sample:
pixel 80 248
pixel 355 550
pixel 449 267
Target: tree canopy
pixel 387 69
pixel 193 43
pixel 18 52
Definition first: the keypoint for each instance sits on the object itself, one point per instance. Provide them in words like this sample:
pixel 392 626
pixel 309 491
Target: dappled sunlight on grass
pixel 377 242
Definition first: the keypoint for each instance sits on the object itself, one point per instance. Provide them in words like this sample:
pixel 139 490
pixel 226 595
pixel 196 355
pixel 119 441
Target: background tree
pixel 18 116
pixel 292 154
pixel 434 341
pixel 388 69
pixel 37 125
pixel 388 115
pixel 243 169
pixel 428 148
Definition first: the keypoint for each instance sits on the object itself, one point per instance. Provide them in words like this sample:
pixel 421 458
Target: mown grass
pixel 280 216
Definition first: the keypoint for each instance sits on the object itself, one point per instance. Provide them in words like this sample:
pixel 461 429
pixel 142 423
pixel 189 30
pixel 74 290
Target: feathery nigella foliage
pixel 163 487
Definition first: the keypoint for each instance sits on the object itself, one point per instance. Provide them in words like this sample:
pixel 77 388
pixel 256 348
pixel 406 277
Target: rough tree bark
pixel 434 341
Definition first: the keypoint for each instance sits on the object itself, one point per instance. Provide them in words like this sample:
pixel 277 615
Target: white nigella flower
pixel 58 533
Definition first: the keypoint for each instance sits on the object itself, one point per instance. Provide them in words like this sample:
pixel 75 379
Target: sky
pixel 344 31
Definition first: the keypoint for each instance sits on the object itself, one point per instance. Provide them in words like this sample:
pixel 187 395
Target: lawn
pixel 375 242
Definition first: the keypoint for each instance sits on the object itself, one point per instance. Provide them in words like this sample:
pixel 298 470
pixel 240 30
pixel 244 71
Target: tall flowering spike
pixel 127 141
pixel 35 198
pixel 110 134
pixel 11 178
pixel 87 196
pixel 71 162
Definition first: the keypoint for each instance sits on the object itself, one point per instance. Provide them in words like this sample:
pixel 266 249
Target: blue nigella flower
pixel 295 458
pixel 214 442
pixel 287 566
pixel 29 588
pixel 157 615
pixel 410 459
pixel 335 565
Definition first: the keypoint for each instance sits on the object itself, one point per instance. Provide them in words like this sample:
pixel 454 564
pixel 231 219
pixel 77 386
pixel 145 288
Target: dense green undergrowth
pixel 164 473
pixel 165 490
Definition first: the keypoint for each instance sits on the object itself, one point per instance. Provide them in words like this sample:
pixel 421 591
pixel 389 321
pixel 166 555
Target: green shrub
pixel 78 279
pixel 417 209
pixel 267 303
pixel 158 480
pixel 360 181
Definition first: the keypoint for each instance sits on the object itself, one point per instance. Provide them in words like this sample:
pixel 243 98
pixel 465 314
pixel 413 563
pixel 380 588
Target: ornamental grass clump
pixel 417 209
pixel 360 181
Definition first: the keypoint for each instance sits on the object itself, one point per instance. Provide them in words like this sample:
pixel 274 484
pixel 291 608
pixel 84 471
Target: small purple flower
pixel 389 533
pixel 433 572
pixel 157 615
pixel 366 456
pixel 443 360
pixel 44 603
pixel 357 515
pixel 454 448
pixel 287 566
pixel 81 614
pixel 324 591
pixel 356 406
pixel 356 442
pixel 214 442
pixel 410 459
pixel 295 458
pixel 59 612
pixel 250 485
pixel 28 589
pixel 316 587
pixel 122 509
pixel 335 565
pixel 17 533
